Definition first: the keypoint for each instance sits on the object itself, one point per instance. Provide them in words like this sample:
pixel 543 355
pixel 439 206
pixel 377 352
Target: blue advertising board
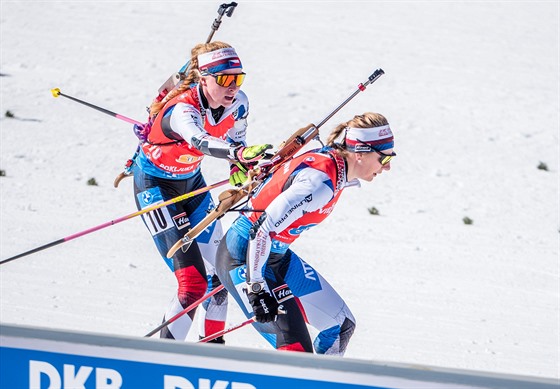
pixel 53 359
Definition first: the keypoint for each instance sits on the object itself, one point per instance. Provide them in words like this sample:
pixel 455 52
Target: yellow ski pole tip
pixel 55 92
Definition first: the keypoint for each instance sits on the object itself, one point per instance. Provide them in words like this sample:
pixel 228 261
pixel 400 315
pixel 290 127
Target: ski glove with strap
pixel 142 131
pixel 246 158
pixel 264 306
pixel 237 174
pixel 250 155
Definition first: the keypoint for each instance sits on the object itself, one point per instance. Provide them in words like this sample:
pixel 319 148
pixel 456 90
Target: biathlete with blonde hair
pixel 254 259
pixel 205 116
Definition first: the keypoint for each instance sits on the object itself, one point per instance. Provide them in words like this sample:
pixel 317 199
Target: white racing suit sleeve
pixel 240 109
pixel 308 192
pixel 187 122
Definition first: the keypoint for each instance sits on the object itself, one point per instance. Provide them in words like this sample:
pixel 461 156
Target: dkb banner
pixel 51 359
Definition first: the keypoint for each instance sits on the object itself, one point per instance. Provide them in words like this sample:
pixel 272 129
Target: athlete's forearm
pixel 187 122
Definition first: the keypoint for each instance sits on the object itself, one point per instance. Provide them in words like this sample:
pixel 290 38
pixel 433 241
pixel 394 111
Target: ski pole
pixel 184 311
pixel 227 330
pixel 56 92
pixel 118 220
pixel 226 9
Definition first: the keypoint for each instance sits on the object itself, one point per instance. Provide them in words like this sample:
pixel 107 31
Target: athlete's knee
pixel 191 285
pixel 346 332
pixel 335 340
pixel 219 298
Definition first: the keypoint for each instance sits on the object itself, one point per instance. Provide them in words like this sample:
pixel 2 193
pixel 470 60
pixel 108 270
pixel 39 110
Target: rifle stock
pixel 295 143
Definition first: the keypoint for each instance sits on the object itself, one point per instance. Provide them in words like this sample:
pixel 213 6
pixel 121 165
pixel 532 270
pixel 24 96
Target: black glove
pixel 264 306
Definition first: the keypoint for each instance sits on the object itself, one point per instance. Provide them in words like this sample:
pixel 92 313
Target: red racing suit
pixel 184 131
pixel 298 196
pixel 167 166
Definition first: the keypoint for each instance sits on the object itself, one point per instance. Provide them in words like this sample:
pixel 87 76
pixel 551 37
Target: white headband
pixel 218 60
pixel 359 139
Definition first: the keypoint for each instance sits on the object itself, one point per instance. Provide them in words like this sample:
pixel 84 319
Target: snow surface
pixel 471 90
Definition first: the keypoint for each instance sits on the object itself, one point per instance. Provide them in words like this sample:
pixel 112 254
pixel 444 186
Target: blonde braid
pixel 335 134
pixel 193 76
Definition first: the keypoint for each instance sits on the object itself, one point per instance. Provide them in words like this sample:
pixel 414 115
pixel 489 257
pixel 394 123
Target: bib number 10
pixel 159 219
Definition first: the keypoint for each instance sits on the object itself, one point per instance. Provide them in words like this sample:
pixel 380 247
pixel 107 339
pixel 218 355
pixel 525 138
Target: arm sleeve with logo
pixel 186 121
pixel 240 109
pixel 311 189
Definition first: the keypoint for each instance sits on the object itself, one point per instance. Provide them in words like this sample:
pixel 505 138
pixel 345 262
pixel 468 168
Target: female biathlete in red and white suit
pixel 255 263
pixel 208 118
